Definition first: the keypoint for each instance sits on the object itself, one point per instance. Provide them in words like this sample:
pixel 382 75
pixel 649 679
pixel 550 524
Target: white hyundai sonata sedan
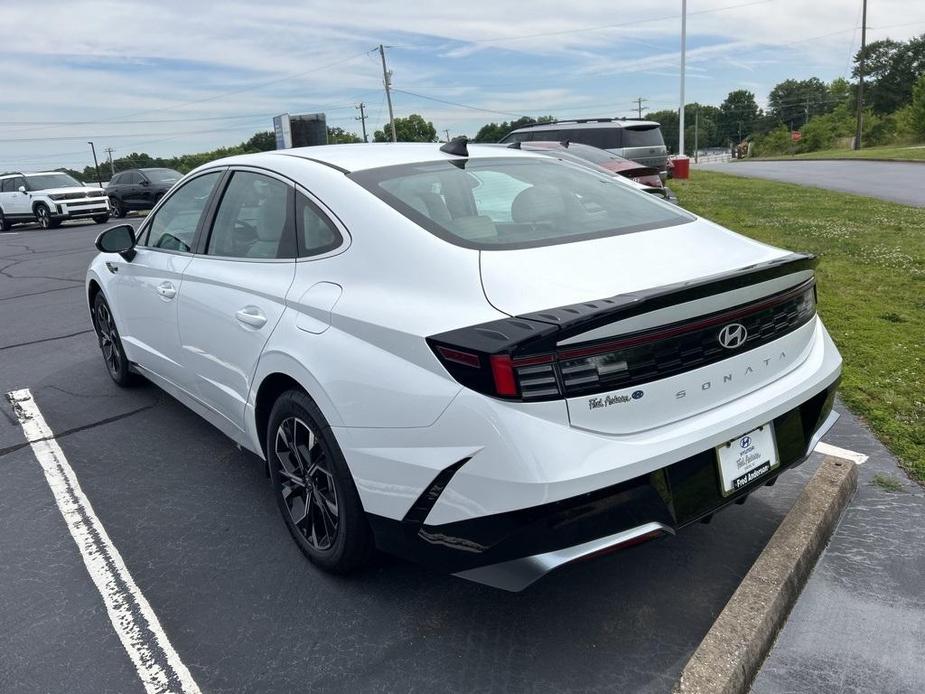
pixel 489 361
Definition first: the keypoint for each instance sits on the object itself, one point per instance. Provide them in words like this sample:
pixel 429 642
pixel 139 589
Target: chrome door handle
pixel 252 316
pixel 166 290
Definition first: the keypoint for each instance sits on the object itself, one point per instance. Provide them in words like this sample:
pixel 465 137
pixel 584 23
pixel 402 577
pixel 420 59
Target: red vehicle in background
pixel 644 175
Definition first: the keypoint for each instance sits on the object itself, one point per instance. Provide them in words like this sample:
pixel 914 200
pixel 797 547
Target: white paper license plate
pixel 747 458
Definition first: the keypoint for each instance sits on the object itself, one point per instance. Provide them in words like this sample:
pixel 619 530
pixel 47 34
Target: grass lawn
pixel 913 153
pixel 871 282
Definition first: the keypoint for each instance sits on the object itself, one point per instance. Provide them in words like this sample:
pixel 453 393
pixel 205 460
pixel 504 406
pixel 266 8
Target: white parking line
pixel 829 449
pixel 158 665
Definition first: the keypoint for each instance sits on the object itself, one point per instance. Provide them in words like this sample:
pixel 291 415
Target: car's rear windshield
pixel 507 203
pixel 643 137
pixel 46 181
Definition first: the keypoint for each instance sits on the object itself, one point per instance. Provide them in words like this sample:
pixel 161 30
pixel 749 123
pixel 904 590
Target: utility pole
pixel 362 118
pixel 387 80
pixel 639 101
pixel 112 168
pixel 683 58
pixel 857 130
pixel 447 132
pixel 99 179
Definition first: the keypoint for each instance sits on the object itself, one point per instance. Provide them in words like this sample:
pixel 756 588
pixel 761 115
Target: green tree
pixel 492 132
pixel 411 129
pixel 739 116
pixel 891 68
pixel 917 115
pixel 261 142
pixel 794 102
pixel 339 136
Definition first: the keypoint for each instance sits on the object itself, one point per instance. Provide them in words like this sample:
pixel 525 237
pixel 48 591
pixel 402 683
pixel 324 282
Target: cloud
pixel 134 60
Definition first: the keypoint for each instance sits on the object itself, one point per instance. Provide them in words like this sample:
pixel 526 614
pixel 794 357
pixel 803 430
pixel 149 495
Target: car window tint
pixel 253 219
pixel 516 202
pixel 643 137
pixel 115 179
pixel 7 186
pixel 175 223
pixel 317 233
pixel 132 177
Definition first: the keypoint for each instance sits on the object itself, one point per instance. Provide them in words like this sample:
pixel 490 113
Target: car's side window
pixel 117 179
pixel 253 219
pixel 7 186
pixel 132 177
pixel 317 233
pixel 174 225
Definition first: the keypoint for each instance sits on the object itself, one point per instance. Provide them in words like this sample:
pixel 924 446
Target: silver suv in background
pixel 638 140
pixel 49 198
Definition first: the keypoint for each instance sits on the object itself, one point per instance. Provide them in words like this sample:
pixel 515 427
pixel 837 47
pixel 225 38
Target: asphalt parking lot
pixel 902 182
pixel 195 522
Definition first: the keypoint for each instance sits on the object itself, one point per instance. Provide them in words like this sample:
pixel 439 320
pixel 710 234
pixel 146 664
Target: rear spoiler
pixel 539 331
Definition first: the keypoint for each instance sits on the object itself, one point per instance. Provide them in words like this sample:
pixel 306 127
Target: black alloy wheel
pixel 118 210
pixel 313 486
pixel 306 483
pixel 110 343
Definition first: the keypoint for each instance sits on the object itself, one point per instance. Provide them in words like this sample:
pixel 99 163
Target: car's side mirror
pixel 22 189
pixel 119 239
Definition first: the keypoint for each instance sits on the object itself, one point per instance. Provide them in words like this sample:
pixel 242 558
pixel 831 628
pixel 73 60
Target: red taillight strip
pixel 687 327
pixel 460 357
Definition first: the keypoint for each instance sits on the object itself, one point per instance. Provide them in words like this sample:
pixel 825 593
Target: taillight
pixel 519 358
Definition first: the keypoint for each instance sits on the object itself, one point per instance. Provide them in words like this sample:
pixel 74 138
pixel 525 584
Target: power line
pixel 456 103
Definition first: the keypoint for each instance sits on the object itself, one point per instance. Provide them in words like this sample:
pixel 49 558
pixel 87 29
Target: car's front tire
pixel 111 344
pixel 5 224
pixel 101 218
pixel 118 209
pixel 313 486
pixel 43 216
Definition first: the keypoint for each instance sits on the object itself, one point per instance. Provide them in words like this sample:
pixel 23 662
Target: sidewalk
pixel 859 625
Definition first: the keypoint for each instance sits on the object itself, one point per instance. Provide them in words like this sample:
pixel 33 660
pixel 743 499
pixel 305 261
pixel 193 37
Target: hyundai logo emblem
pixel 733 335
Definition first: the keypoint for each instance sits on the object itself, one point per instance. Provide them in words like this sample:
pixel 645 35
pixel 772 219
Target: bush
pixel 917 109
pixel 773 143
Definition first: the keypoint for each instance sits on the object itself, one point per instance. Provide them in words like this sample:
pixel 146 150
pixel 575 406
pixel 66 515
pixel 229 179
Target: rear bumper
pixel 512 549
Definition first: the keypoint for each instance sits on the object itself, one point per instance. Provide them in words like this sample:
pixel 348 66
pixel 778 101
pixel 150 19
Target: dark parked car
pixel 139 189
pixel 637 140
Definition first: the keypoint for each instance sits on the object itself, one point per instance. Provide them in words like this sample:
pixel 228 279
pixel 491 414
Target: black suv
pixel 139 189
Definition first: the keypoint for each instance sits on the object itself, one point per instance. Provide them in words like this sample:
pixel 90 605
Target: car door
pixel 17 202
pixel 114 188
pixel 133 192
pixel 144 291
pixel 234 291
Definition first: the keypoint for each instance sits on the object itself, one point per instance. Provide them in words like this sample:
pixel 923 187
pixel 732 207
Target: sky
pixel 181 76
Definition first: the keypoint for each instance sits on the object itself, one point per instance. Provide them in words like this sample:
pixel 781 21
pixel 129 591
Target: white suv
pixel 487 360
pixel 48 198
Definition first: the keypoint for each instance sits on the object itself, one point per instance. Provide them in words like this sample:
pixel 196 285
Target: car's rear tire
pixel 111 344
pixel 5 224
pixel 313 486
pixel 118 209
pixel 101 218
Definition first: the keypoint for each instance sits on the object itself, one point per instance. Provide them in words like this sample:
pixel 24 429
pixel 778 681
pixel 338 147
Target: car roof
pixel 361 156
pixel 587 124
pixel 32 173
